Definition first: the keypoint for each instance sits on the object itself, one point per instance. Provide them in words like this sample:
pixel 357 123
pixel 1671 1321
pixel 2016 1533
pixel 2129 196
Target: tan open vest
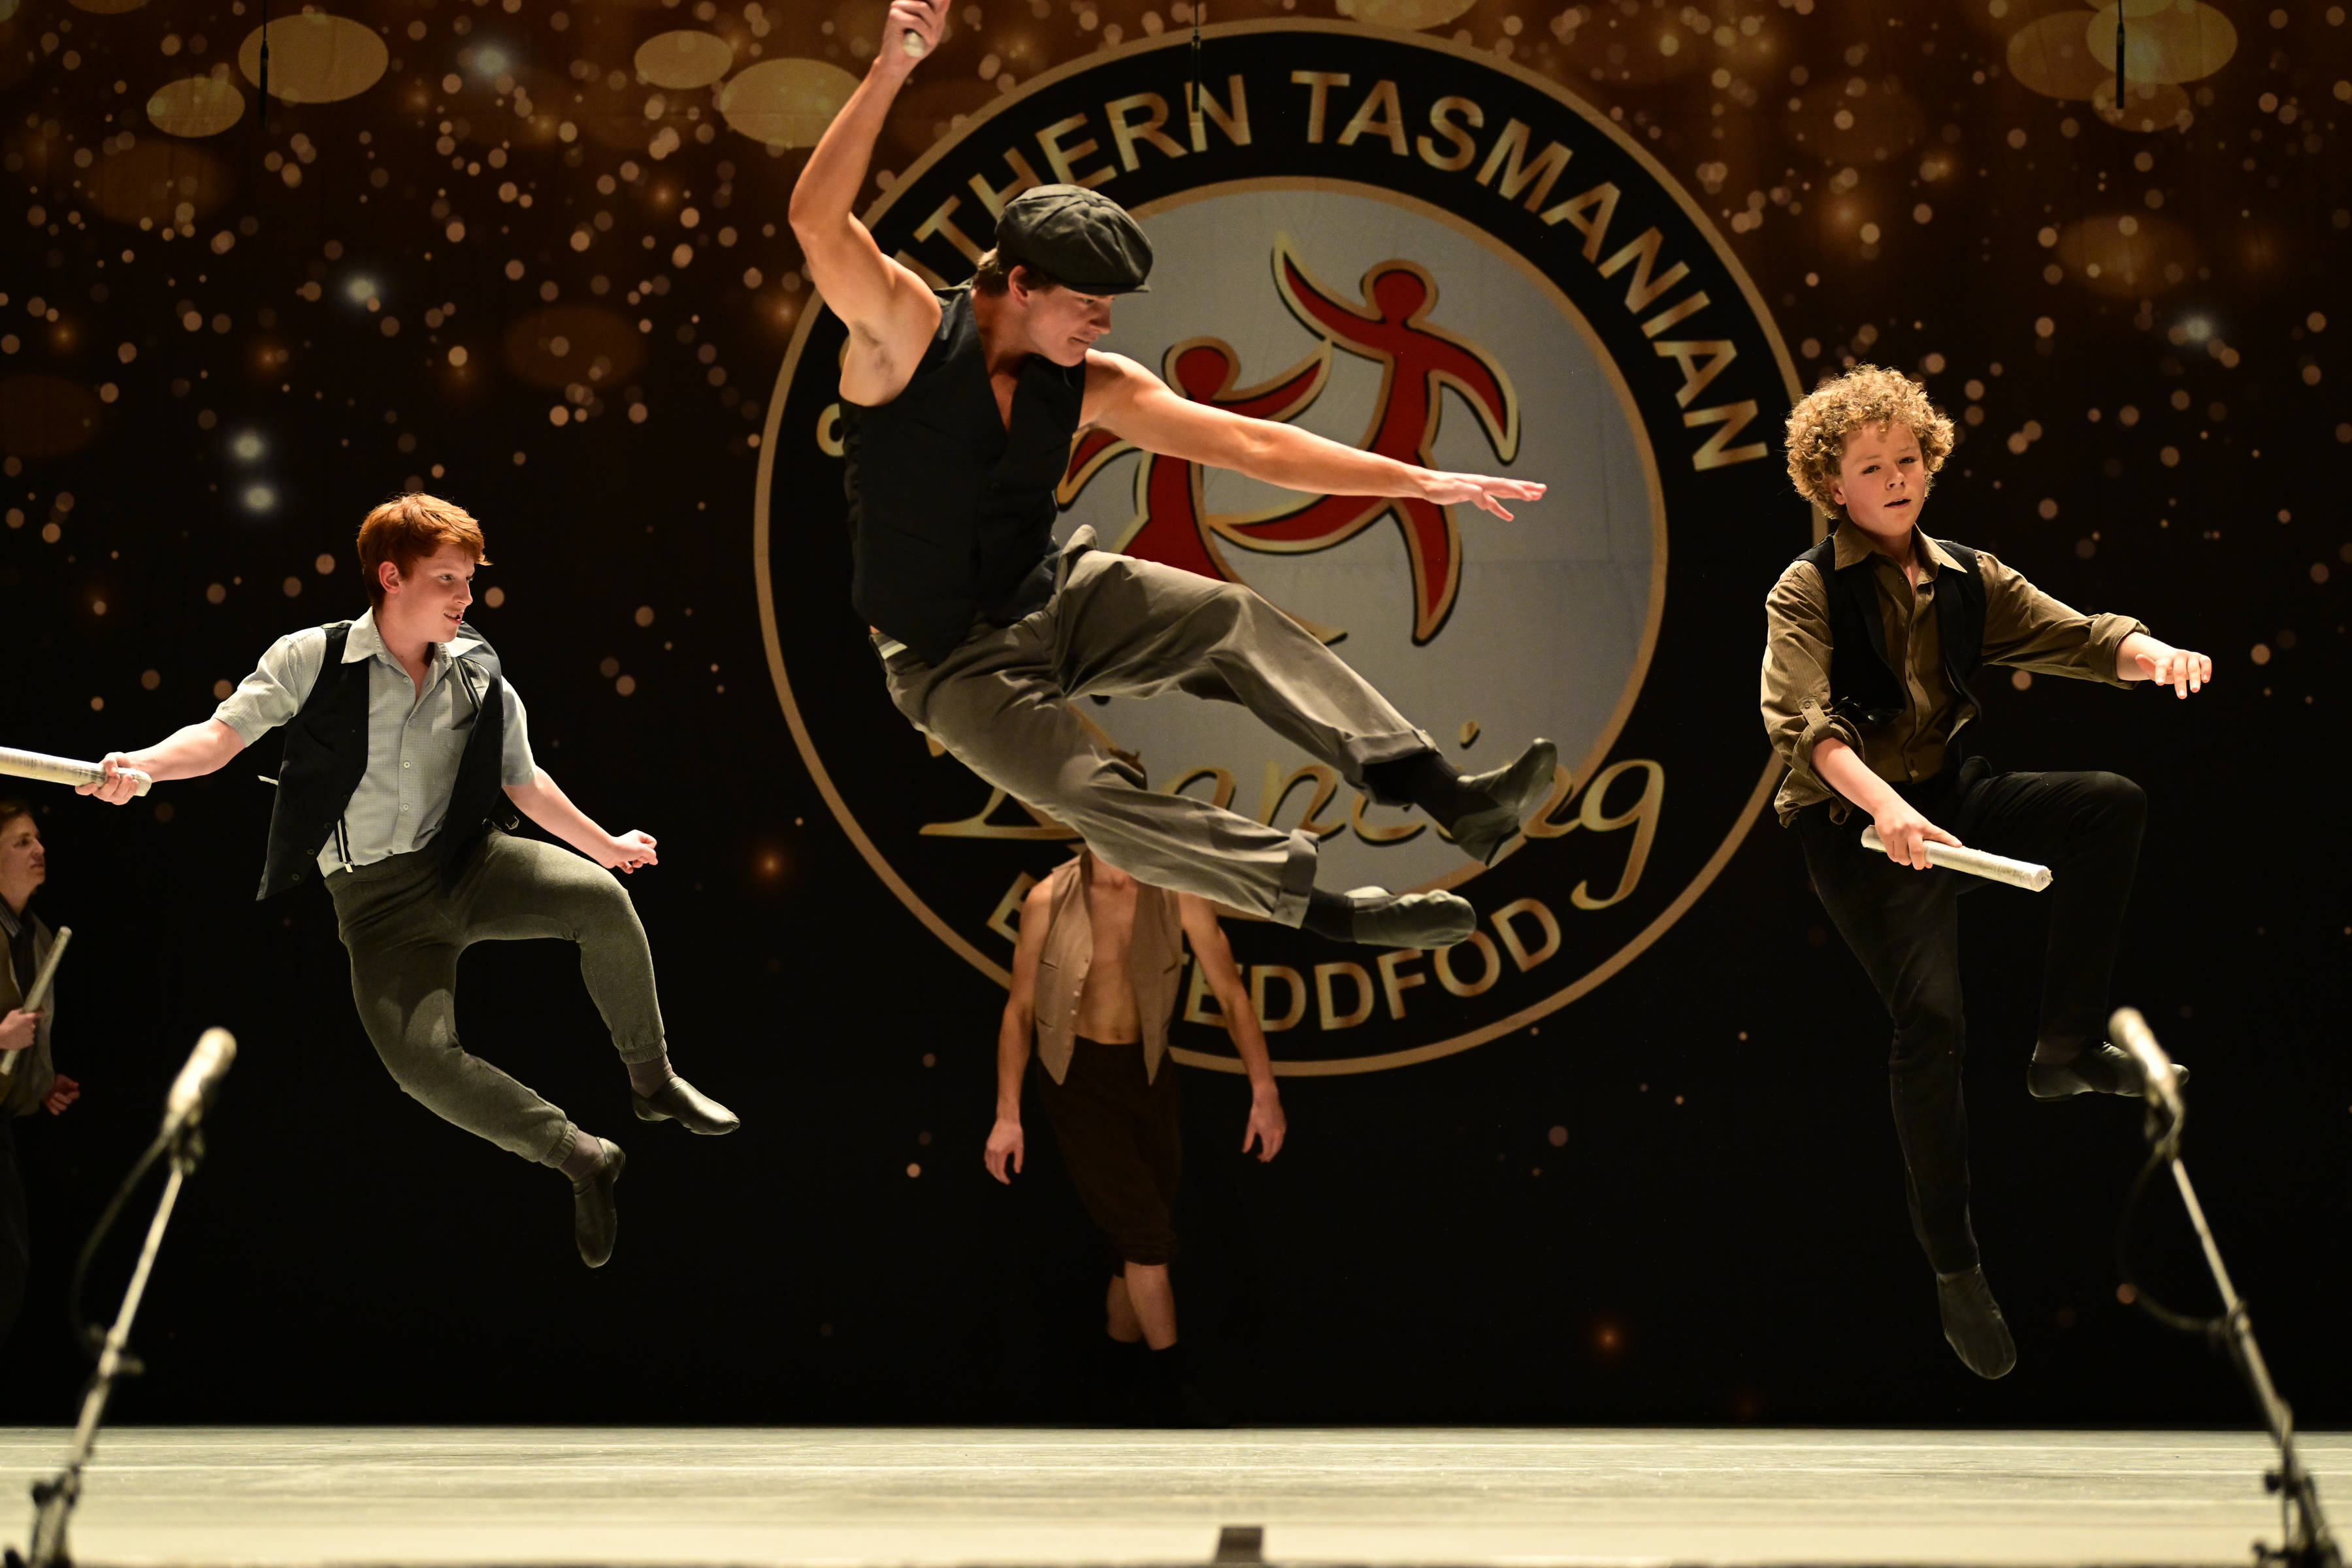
pixel 1155 958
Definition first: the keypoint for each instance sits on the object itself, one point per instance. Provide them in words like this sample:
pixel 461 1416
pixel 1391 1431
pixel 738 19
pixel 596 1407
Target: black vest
pixel 327 755
pixel 951 514
pixel 1871 691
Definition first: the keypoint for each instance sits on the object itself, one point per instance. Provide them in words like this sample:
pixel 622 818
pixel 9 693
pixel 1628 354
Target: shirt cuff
pixel 249 727
pixel 2108 635
pixel 1819 725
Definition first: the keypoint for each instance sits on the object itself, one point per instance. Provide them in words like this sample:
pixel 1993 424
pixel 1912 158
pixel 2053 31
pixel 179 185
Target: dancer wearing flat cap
pixel 958 407
pixel 405 747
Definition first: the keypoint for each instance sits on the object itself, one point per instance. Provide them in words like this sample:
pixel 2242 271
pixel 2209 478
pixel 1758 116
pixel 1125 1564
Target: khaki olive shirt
pixel 2024 628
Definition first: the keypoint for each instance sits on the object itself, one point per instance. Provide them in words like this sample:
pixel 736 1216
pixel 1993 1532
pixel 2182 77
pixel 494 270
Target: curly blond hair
pixel 1867 396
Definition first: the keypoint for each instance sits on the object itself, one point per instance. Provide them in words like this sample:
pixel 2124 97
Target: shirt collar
pixel 12 922
pixel 1853 545
pixel 366 642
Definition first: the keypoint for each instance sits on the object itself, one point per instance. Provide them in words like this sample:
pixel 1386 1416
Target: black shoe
pixel 1378 918
pixel 1174 1397
pixel 595 1217
pixel 1517 789
pixel 679 1101
pixel 1973 1325
pixel 2102 1068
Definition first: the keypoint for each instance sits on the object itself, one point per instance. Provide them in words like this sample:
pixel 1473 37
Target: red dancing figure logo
pixel 1389 327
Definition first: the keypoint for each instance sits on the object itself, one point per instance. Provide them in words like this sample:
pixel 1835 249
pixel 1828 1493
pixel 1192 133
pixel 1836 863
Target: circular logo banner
pixel 1418 250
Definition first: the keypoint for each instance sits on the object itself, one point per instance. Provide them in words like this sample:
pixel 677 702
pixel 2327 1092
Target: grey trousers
pixel 1120 627
pixel 404 936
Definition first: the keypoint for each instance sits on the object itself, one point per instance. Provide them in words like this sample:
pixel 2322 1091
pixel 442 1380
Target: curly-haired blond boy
pixel 1875 635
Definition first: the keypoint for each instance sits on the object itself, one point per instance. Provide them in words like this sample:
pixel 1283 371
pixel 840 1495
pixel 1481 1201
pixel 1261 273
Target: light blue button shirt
pixel 414 739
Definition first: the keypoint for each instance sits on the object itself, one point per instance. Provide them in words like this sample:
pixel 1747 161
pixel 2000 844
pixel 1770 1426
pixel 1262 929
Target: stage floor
pixel 567 1496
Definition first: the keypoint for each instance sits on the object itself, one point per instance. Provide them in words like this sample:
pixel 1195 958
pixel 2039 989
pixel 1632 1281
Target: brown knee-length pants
pixel 1120 1138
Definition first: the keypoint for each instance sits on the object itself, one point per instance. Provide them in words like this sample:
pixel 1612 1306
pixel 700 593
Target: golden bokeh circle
pixel 2054 57
pixel 2145 109
pixel 44 415
pixel 153 180
pixel 573 345
pixel 197 106
pixel 786 103
pixel 1408 16
pixel 2138 255
pixel 684 58
pixel 316 58
pixel 2165 41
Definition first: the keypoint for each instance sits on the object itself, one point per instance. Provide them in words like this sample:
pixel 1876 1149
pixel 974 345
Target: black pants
pixel 1904 925
pixel 16 1232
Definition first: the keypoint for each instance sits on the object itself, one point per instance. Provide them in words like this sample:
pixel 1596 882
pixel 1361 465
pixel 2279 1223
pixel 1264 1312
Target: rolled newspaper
pixel 63 769
pixel 2024 874
pixel 38 994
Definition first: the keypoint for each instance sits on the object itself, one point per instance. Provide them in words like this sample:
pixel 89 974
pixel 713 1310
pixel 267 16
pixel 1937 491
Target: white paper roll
pixel 2024 874
pixel 62 770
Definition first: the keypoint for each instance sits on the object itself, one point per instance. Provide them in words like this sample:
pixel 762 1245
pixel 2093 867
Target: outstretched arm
pixel 2142 658
pixel 186 754
pixel 544 802
pixel 883 302
pixel 1268 1125
pixel 1130 401
pixel 1007 1143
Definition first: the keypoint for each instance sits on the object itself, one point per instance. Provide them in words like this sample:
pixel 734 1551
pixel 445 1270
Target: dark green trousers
pixel 404 936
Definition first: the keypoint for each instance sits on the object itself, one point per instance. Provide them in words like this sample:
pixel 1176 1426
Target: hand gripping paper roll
pixel 63 769
pixel 39 992
pixel 2024 874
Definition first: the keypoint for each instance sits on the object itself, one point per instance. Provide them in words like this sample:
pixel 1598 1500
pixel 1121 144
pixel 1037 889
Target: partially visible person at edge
pixel 34 1083
pixel 958 407
pixel 1095 975
pixel 406 750
pixel 1874 636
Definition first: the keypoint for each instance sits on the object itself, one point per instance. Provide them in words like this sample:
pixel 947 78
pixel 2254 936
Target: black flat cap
pixel 1081 240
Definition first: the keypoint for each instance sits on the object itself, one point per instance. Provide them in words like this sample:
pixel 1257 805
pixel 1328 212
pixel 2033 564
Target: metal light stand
pixel 2308 1543
pixel 182 1139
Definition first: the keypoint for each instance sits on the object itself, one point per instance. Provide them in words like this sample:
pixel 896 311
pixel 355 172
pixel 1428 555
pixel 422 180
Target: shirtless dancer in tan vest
pixel 1094 978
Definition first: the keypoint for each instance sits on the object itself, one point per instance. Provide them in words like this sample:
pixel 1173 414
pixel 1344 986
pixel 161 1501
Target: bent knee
pixel 2119 795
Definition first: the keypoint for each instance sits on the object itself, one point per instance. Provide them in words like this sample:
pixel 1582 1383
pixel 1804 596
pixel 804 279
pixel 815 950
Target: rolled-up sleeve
pixel 2027 629
pixel 1796 685
pixel 277 687
pixel 517 766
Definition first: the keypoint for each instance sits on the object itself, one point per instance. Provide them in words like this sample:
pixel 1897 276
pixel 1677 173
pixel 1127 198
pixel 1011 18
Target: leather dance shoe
pixel 1382 919
pixel 595 1219
pixel 2102 1068
pixel 1973 1325
pixel 679 1101
pixel 1517 788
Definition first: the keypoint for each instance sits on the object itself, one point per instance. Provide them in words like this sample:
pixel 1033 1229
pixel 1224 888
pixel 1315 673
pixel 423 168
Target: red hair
pixel 408 528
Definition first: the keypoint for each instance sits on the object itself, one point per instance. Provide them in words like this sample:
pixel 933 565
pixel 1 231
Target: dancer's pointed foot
pixel 1973 1325
pixel 679 1101
pixel 1377 917
pixel 2101 1068
pixel 1517 788
pixel 595 1219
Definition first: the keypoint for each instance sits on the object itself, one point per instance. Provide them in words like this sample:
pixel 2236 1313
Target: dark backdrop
pixel 1720 1238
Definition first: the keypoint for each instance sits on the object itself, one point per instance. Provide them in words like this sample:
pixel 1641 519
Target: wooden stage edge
pixel 998 1497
